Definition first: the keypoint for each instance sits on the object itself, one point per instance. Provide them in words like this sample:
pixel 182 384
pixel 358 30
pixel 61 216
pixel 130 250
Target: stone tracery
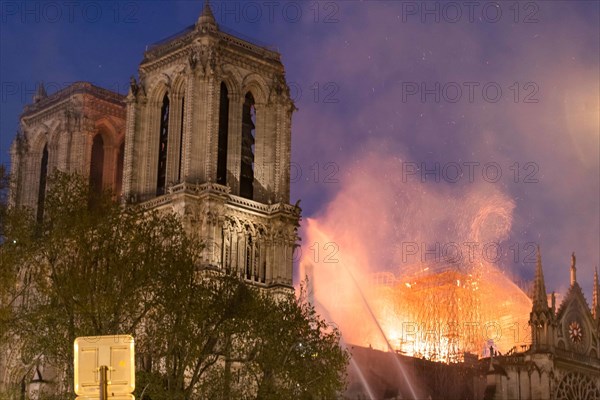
pixel 576 386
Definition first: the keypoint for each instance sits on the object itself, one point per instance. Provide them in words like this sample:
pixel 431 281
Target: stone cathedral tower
pixel 205 131
pixel 208 134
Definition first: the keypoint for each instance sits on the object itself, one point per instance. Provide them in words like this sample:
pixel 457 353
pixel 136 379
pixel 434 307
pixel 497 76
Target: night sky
pixel 507 93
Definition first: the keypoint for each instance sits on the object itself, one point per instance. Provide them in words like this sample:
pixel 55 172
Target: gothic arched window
pixel 226 250
pixel 223 135
pixel 248 266
pixel 42 185
pixel 247 164
pixel 575 386
pixel 97 164
pixel 161 178
pixel 256 262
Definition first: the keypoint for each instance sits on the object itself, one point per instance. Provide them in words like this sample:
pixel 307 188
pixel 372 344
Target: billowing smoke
pixel 385 235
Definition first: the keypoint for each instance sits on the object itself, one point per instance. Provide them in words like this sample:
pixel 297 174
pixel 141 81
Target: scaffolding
pixel 439 305
pixel 440 312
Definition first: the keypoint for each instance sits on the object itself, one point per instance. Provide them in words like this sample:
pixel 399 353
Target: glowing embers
pixel 436 311
pixel 441 313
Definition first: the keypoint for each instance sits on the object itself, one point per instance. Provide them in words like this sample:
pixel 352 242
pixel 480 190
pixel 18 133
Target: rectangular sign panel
pixel 117 353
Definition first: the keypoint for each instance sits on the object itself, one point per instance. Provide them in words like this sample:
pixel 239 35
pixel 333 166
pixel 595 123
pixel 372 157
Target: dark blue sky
pixel 384 87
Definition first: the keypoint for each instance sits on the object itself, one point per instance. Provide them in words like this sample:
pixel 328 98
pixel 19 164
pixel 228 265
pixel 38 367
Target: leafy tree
pixel 299 355
pixel 4 180
pixel 230 340
pixel 88 268
pixel 4 185
pixel 91 267
pixel 7 277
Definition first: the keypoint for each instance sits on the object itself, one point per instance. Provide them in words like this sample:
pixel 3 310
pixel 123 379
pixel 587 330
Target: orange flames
pixel 362 279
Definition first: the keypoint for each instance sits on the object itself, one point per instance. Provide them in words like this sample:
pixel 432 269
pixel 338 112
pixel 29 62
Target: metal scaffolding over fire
pixel 441 311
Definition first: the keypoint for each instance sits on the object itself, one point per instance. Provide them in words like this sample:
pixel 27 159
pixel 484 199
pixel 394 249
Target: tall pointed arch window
pixel 161 177
pixel 42 184
pixel 223 135
pixel 249 254
pixel 97 164
pixel 247 164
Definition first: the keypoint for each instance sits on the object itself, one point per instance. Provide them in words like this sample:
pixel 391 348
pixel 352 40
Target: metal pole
pixel 103 382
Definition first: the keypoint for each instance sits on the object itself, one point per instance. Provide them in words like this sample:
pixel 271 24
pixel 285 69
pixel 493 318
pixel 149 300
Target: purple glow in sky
pixel 506 93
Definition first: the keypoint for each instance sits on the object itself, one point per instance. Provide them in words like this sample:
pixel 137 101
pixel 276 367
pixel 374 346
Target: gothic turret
pixel 207 19
pixel 209 135
pixel 573 270
pixel 40 94
pixel 541 318
pixel 540 298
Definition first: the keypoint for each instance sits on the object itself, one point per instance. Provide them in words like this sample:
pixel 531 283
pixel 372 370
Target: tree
pixel 7 277
pixel 230 340
pixel 91 267
pixel 88 268
pixel 297 353
pixel 4 180
pixel 4 185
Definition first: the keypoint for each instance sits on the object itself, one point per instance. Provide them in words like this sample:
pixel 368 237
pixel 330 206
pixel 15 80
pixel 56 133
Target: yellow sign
pixel 117 353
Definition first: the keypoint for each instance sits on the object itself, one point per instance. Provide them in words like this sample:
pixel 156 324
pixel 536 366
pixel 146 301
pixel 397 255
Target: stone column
pixel 190 103
pixel 197 139
pixel 211 135
pixel 129 179
pixel 148 147
pixel 234 143
pixel 265 153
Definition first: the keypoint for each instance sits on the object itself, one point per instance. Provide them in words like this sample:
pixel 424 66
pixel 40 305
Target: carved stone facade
pixel 563 362
pixel 202 78
pixel 205 131
pixel 190 70
pixel 77 129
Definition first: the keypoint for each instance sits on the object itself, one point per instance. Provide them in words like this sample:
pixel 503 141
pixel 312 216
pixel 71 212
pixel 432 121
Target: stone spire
pixel 40 93
pixel 207 19
pixel 541 318
pixel 540 298
pixel 596 296
pixel 573 270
